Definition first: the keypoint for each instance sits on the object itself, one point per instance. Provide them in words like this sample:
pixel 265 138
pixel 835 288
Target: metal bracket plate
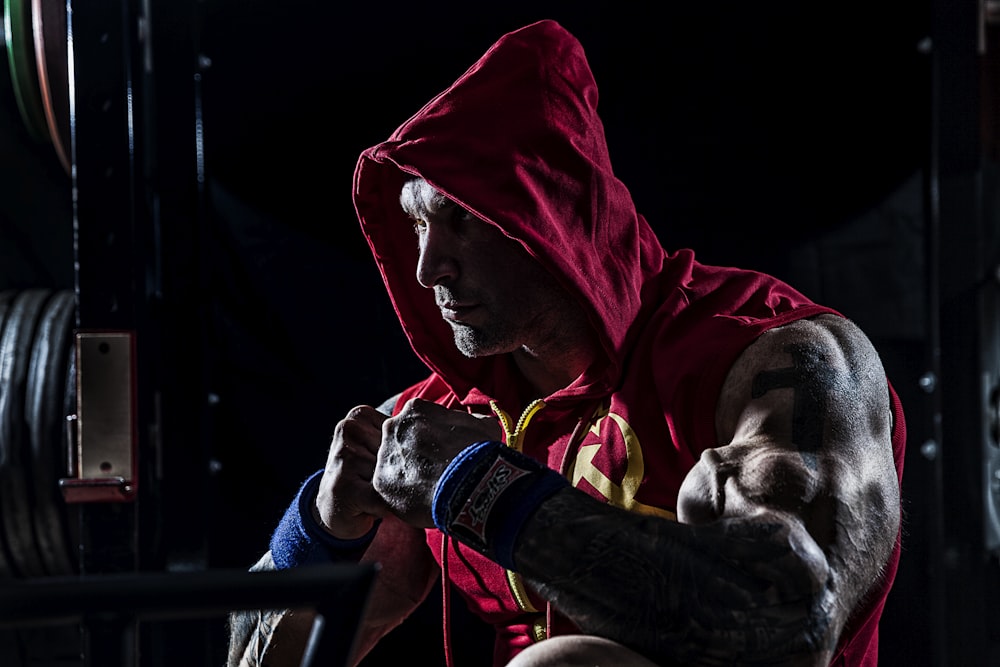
pixel 105 439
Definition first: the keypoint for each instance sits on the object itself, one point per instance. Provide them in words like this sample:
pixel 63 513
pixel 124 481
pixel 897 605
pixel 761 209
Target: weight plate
pixel 6 568
pixel 51 40
pixel 23 68
pixel 15 353
pixel 7 298
pixel 44 412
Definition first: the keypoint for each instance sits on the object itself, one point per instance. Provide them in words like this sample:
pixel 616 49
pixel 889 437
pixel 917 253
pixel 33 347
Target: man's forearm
pixel 275 638
pixel 724 593
pixel 278 636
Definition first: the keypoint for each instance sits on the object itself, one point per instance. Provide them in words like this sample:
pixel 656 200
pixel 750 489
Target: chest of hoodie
pixel 619 450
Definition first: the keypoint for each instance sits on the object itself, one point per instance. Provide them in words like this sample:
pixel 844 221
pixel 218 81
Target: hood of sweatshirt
pixel 517 141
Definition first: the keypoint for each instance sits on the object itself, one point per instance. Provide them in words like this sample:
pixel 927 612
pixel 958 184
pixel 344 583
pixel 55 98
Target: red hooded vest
pixel 517 141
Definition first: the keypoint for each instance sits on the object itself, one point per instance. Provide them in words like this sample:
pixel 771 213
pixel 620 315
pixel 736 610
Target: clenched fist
pixel 346 503
pixel 417 446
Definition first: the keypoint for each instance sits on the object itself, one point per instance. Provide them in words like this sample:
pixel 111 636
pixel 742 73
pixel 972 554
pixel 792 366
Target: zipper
pixel 515 435
pixel 515 440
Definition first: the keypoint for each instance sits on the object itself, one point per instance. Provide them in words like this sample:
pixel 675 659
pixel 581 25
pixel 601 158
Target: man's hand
pixel 417 446
pixel 346 503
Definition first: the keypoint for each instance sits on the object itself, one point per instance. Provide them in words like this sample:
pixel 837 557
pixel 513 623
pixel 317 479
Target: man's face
pixel 495 296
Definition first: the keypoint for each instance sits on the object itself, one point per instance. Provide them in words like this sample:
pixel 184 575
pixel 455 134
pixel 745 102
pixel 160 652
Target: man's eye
pixel 419 225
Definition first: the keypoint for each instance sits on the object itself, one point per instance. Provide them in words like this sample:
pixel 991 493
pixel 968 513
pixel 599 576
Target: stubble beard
pixel 473 342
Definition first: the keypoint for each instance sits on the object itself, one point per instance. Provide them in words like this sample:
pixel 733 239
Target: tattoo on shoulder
pixel 812 378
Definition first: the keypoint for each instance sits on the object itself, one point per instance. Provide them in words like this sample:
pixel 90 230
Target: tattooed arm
pixel 783 527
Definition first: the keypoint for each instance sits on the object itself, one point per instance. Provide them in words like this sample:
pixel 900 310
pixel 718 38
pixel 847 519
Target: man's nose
pixel 437 262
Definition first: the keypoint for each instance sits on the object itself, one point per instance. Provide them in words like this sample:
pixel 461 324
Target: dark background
pixel 796 139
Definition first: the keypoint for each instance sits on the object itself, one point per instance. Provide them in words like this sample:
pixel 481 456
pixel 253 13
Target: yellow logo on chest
pixel 619 494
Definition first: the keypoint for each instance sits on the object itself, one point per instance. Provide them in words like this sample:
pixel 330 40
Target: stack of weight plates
pixel 37 537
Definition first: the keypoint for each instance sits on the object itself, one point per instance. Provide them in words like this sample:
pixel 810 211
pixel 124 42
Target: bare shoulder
pixel 836 338
pixel 825 370
pixel 833 330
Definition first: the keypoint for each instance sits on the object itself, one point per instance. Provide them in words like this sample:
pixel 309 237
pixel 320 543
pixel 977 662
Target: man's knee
pixel 579 651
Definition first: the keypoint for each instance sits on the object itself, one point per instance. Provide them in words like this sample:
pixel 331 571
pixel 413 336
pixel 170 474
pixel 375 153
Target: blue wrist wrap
pixel 486 494
pixel 300 540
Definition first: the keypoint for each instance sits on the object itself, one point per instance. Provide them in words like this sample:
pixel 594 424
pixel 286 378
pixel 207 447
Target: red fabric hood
pixel 517 140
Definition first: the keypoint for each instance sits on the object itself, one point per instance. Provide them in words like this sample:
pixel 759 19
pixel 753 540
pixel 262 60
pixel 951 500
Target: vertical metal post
pixel 965 325
pixel 110 245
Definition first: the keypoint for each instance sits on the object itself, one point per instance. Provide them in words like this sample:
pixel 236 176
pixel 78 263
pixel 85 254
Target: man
pixel 620 456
